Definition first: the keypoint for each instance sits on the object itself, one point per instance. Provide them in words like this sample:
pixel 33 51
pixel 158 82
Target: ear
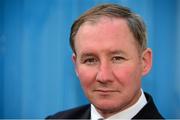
pixel 74 59
pixel 147 61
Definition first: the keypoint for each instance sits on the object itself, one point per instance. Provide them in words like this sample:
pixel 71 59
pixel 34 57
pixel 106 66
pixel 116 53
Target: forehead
pixel 107 25
pixel 104 30
pixel 112 23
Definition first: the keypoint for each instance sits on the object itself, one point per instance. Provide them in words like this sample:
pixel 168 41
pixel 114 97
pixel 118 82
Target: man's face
pixel 109 65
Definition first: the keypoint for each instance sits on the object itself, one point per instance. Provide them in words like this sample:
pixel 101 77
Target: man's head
pixel 135 24
pixel 110 56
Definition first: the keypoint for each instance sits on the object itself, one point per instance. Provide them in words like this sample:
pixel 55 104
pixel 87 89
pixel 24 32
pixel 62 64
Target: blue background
pixel 37 76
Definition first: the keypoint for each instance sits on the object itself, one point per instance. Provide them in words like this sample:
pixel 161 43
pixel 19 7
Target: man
pixel 111 57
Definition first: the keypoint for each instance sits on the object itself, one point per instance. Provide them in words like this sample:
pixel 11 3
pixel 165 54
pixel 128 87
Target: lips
pixel 105 90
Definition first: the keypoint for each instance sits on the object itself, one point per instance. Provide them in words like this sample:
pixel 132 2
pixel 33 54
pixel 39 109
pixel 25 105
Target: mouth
pixel 104 91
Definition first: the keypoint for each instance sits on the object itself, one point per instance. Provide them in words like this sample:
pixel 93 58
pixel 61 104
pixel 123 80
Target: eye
pixel 90 61
pixel 117 59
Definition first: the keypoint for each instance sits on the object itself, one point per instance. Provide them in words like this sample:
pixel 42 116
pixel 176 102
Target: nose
pixel 104 73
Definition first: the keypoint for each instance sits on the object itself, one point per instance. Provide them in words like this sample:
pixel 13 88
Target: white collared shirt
pixel 128 113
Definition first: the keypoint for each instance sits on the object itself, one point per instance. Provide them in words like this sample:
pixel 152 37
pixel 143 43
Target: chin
pixel 107 105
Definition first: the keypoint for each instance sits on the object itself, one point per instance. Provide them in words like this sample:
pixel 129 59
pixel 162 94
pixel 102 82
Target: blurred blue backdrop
pixel 37 76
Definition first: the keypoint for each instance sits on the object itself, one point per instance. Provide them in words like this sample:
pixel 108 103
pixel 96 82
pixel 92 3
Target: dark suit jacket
pixel 149 111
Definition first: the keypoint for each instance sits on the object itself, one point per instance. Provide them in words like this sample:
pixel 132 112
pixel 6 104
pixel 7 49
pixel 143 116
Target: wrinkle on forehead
pixel 109 27
pixel 114 23
pixel 106 20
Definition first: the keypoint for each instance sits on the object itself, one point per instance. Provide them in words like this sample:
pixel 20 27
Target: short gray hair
pixel 135 23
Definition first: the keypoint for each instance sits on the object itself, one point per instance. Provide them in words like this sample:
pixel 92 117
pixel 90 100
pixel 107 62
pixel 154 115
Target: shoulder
pixel 82 112
pixel 149 111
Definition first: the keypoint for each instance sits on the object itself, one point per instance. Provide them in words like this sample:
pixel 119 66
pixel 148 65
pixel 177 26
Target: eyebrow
pixel 111 52
pixel 116 52
pixel 86 55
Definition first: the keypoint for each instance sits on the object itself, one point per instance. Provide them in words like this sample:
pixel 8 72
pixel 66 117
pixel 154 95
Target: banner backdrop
pixel 37 75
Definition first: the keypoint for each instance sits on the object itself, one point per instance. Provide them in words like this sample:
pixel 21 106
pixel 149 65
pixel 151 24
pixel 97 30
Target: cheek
pixel 128 75
pixel 86 76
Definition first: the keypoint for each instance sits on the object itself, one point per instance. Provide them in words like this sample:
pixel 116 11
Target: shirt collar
pixel 125 114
